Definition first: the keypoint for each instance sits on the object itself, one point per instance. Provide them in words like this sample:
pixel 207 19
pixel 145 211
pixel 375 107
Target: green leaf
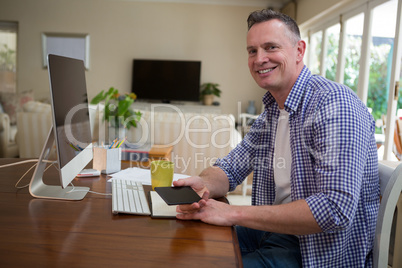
pixel 210 88
pixel 98 98
pixel 118 109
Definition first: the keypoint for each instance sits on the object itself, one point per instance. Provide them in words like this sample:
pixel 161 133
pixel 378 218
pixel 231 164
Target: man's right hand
pixel 198 185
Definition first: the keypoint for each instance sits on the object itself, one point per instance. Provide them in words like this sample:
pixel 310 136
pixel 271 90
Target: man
pixel 315 187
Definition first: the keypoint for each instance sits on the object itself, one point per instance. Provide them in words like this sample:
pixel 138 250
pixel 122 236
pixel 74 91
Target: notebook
pixel 159 208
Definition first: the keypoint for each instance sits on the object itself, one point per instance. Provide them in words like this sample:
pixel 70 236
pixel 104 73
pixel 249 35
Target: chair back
pixel 391 187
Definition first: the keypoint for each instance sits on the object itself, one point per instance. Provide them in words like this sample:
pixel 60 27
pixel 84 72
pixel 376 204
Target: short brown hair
pixel 269 14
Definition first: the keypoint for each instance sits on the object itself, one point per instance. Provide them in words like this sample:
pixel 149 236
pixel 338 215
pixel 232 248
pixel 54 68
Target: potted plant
pixel 208 91
pixel 118 111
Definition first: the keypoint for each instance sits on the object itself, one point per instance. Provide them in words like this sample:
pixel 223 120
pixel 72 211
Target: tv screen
pixel 166 80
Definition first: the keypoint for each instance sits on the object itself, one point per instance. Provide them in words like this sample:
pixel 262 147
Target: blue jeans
pixel 265 249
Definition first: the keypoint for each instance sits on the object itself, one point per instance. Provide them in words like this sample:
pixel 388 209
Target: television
pixel 70 131
pixel 166 80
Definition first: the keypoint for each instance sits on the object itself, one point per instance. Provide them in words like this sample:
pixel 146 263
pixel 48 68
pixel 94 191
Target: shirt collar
pixel 295 96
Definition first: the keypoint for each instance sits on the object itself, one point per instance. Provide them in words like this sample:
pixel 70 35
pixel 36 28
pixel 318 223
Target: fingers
pixel 179 183
pixel 205 195
pixel 188 216
pixel 189 181
pixel 193 208
pixel 188 208
pixel 190 212
pixel 186 182
pixel 194 182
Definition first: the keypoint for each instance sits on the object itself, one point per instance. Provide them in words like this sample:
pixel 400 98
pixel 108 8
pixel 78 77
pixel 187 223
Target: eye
pixel 252 51
pixel 269 48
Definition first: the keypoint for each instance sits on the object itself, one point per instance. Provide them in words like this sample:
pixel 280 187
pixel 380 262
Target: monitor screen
pixel 166 80
pixel 70 130
pixel 70 107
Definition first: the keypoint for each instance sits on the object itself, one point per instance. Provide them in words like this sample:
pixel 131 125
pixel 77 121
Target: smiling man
pixel 312 150
pixel 275 63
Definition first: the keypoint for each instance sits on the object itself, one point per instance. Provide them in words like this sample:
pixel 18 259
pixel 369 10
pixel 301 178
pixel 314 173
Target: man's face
pixel 273 57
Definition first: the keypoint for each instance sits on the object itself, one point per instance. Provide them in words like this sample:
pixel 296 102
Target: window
pixel 381 49
pixel 8 56
pixel 353 44
pixel 315 52
pixel 331 58
pixel 368 60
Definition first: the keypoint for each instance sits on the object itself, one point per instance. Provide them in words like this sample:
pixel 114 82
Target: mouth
pixel 264 71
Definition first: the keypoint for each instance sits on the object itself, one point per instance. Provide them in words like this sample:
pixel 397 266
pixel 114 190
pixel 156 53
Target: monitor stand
pixel 39 189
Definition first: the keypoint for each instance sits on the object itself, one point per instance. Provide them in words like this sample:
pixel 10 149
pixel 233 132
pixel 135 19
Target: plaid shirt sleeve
pixel 339 145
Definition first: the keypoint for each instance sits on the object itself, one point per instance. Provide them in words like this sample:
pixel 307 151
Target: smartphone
pixel 178 195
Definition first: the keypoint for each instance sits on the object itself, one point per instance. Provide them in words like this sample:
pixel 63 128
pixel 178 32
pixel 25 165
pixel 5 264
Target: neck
pixel 282 94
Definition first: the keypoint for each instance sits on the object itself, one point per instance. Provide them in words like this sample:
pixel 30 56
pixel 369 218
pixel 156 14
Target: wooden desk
pixel 52 233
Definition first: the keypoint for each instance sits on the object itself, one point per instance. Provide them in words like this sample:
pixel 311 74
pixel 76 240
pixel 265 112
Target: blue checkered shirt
pixel 334 168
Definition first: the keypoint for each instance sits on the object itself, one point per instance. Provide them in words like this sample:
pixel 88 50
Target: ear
pixel 301 49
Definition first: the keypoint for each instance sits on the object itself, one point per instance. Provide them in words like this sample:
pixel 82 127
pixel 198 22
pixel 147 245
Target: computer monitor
pixel 70 130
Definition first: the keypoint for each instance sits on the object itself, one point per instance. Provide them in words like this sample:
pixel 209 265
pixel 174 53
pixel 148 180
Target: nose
pixel 261 57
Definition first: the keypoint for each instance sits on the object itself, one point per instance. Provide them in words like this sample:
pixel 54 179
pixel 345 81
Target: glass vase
pixel 251 107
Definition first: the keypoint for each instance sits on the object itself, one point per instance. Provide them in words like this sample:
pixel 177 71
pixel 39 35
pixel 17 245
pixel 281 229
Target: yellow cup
pixel 161 173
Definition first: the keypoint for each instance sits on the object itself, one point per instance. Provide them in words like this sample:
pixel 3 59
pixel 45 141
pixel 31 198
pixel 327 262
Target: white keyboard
pixel 129 197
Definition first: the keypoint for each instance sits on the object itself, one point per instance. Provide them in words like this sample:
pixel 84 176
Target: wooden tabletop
pixel 53 233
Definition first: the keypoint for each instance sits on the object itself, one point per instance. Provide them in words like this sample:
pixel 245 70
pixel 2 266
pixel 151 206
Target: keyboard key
pixel 129 197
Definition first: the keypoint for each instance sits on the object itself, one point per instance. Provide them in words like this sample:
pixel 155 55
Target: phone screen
pixel 178 195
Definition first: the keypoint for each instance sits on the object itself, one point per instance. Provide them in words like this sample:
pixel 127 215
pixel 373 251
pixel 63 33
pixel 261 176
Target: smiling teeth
pixel 265 71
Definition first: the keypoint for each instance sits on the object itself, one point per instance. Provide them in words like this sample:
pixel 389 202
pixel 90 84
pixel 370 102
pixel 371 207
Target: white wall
pixel 123 30
pixel 309 10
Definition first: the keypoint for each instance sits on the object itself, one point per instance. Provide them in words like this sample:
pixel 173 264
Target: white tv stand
pixel 172 107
